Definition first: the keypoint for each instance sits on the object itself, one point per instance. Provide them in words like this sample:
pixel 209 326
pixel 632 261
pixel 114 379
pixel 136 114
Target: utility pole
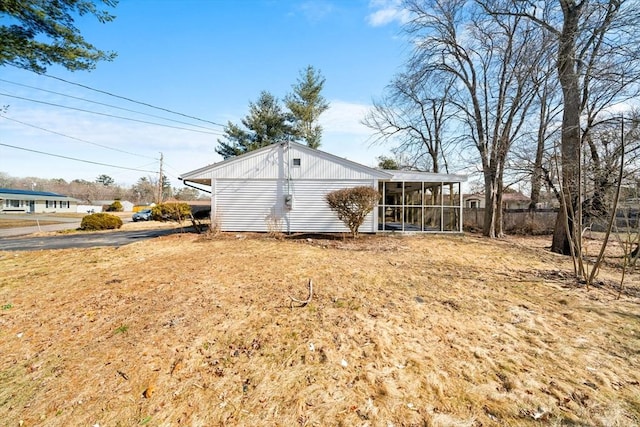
pixel 160 181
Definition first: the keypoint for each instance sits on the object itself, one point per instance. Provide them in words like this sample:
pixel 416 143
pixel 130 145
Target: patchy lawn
pixel 16 223
pixel 15 220
pixel 402 331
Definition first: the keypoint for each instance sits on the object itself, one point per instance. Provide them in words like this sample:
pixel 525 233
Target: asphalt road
pixel 82 240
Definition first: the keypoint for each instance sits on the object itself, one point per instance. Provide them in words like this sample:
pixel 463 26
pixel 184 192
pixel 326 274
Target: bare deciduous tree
pixel 414 114
pixel 604 147
pixel 548 109
pixel 491 59
pixel 596 45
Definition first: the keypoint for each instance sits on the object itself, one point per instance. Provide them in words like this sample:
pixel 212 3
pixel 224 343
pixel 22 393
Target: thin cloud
pixel 345 117
pixel 316 10
pixel 387 12
pixel 140 139
pixel 344 134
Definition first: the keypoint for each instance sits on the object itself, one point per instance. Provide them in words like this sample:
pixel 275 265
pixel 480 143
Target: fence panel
pixel 515 221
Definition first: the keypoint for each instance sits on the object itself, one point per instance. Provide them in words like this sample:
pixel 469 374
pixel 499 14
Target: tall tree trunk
pixel 491 207
pixel 570 139
pixel 538 174
pixel 500 212
pixel 536 178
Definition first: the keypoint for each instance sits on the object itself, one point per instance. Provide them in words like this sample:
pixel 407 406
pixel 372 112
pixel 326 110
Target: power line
pixel 108 115
pixel 172 167
pixel 77 139
pixel 77 160
pixel 105 104
pixel 132 100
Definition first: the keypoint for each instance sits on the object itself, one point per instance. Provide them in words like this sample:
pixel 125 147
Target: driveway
pixel 62 223
pixel 85 240
pixel 22 231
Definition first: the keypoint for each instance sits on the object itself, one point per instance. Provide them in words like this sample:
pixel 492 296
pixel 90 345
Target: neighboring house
pixel 474 201
pixel 126 205
pixel 510 200
pixel 282 187
pixel 25 201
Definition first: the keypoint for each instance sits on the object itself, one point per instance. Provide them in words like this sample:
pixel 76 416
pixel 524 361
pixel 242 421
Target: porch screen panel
pixel 420 206
pixel 450 219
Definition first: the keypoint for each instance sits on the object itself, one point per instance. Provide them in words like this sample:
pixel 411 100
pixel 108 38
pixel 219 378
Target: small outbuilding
pixel 24 201
pixel 282 188
pixel 511 200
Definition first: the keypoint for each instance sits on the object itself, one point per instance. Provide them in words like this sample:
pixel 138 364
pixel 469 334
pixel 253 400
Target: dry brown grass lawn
pixel 423 330
pixel 14 223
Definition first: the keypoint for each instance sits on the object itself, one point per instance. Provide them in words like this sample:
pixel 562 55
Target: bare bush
pixel 352 205
pixel 274 226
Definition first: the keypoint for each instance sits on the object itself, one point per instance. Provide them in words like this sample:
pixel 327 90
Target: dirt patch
pixel 422 330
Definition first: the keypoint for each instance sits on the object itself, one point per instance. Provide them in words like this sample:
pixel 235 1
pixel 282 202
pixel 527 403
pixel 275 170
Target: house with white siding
pixel 282 187
pixel 24 201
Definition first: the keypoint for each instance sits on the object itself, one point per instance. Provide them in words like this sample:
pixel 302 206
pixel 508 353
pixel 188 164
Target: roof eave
pixel 197 174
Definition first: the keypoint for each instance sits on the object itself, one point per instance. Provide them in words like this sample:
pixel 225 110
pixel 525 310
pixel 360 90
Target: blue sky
pixel 206 59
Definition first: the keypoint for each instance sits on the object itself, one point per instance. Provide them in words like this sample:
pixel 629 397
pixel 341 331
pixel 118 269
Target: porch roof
pixel 414 176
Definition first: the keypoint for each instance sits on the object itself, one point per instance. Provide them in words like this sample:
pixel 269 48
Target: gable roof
pixel 515 197
pixel 206 173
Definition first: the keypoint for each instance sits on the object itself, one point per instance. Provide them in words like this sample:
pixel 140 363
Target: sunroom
pixel 420 202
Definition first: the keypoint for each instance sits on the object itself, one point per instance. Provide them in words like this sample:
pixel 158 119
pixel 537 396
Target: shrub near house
pixel 352 205
pixel 171 212
pixel 116 206
pixel 100 221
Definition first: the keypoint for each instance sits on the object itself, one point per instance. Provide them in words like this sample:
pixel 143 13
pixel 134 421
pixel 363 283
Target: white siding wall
pixel 312 214
pixel 258 205
pixel 276 163
pixel 246 205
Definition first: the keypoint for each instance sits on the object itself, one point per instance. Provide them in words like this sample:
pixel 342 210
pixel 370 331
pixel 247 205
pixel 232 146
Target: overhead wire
pixel 75 159
pixel 174 169
pixel 209 130
pixel 76 139
pixel 133 100
pixel 107 115
pixel 117 174
pixel 107 105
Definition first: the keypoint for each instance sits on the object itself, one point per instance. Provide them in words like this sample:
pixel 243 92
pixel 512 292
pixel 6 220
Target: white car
pixel 143 215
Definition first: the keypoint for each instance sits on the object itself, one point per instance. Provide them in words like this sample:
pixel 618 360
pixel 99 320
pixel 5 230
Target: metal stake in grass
pixel 303 302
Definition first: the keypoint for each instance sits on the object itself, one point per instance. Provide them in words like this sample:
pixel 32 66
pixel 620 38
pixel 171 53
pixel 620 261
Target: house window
pixel 296 162
pixel 473 204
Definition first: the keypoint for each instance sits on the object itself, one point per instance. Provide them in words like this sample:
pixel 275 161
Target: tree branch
pixel 303 302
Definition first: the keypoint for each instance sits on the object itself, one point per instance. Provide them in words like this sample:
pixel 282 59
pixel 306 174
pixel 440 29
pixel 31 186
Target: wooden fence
pixel 515 221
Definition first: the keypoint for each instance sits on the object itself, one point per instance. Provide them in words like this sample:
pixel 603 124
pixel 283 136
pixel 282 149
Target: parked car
pixel 143 215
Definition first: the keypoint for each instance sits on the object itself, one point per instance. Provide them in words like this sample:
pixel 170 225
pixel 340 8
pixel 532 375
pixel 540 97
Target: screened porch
pixel 410 205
